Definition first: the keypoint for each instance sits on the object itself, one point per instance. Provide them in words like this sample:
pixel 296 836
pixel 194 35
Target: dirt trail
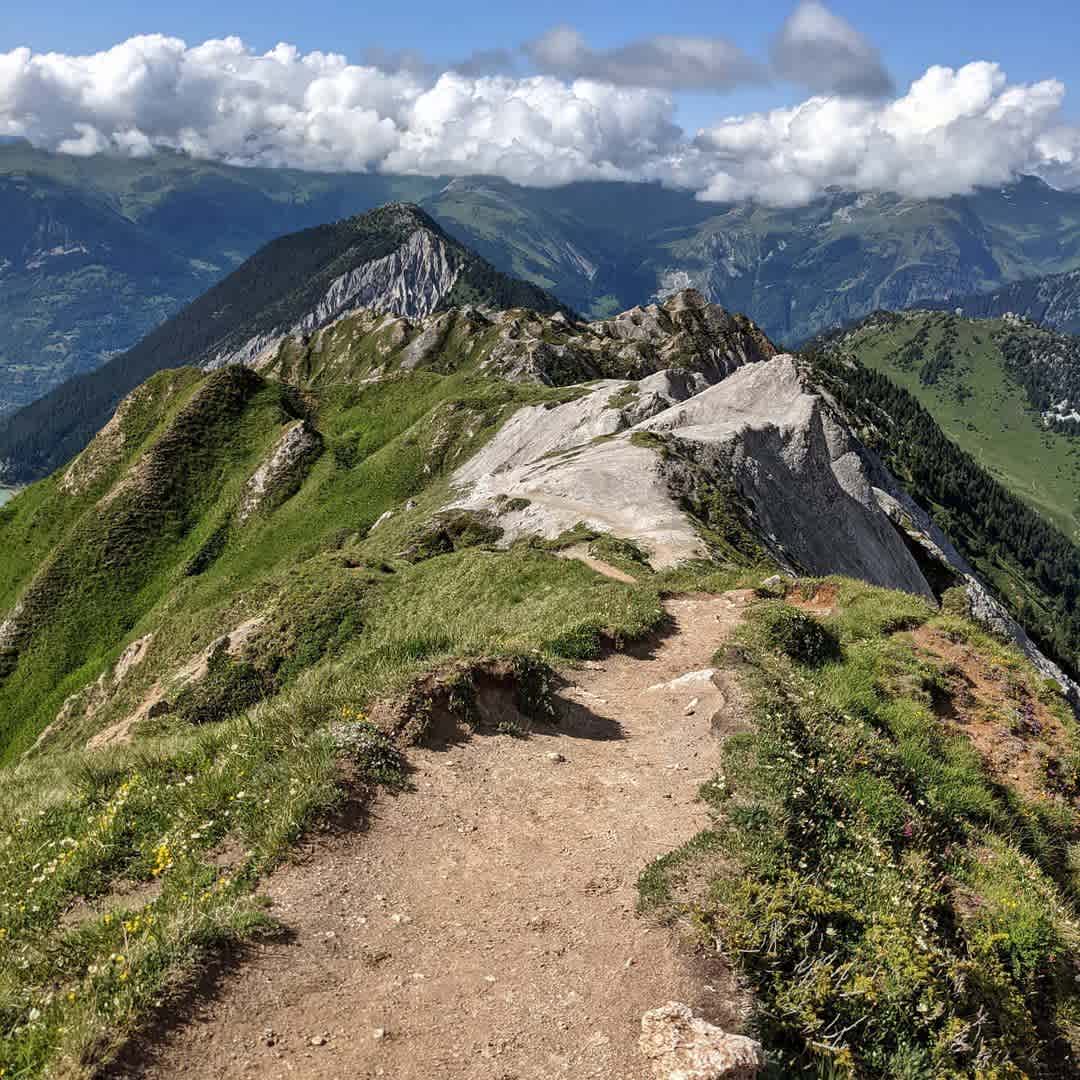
pixel 483 926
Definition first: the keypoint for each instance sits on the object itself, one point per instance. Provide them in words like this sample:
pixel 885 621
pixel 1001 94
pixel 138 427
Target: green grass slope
pixel 113 885
pixel 124 869
pixel 959 369
pixel 899 892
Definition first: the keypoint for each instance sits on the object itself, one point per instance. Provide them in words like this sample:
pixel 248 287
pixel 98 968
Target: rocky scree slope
pixel 394 259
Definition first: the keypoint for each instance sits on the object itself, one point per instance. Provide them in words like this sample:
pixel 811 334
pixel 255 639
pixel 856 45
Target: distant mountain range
pixel 98 251
pixel 395 259
pixel 1052 301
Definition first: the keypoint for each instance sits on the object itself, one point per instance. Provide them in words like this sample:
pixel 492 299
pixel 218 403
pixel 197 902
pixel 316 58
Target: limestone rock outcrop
pixel 681 1046
pixel 635 459
pixel 282 473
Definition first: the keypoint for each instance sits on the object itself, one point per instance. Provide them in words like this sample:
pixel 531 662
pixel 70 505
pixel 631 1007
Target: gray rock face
pixel 685 331
pixel 411 281
pixel 282 473
pixel 680 1046
pixel 787 453
pixel 764 437
pixel 801 471
pixel 549 457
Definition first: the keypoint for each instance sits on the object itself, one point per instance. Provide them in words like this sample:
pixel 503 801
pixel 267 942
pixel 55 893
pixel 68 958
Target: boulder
pixel 681 1046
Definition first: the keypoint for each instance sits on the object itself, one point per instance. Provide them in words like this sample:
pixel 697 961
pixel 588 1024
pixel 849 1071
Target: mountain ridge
pixel 259 587
pixel 294 285
pixel 1052 301
pixel 600 247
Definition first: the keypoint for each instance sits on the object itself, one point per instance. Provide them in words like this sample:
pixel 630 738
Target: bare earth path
pixel 483 926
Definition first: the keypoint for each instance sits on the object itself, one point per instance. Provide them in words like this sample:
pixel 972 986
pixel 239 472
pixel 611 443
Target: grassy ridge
pixel 131 842
pixel 903 907
pixel 121 871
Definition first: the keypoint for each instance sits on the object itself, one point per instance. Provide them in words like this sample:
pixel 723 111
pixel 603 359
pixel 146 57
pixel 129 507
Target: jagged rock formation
pixel 782 448
pixel 681 1046
pixel 765 442
pixel 685 330
pixel 685 336
pixel 413 280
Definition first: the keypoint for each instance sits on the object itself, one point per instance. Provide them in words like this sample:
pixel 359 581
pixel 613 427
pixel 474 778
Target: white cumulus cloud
pixel 952 130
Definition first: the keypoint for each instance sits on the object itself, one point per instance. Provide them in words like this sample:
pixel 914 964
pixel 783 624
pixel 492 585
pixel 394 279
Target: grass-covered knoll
pixel 902 906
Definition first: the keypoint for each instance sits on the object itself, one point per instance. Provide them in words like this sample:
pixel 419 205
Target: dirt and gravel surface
pixel 482 925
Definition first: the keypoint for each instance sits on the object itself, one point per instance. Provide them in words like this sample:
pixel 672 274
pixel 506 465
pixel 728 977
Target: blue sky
pixel 1032 41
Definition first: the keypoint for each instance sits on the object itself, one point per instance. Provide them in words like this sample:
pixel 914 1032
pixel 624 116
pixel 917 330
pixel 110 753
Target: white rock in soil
pixel 692 680
pixel 681 1046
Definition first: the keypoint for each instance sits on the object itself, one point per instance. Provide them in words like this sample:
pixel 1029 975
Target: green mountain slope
pixel 988 384
pixel 305 278
pixel 1032 565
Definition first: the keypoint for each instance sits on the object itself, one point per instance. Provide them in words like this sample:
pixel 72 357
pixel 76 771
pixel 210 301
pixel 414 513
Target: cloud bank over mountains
pixel 581 114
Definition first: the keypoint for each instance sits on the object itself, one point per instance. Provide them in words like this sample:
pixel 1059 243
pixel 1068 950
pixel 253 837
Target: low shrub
pixel 797 634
